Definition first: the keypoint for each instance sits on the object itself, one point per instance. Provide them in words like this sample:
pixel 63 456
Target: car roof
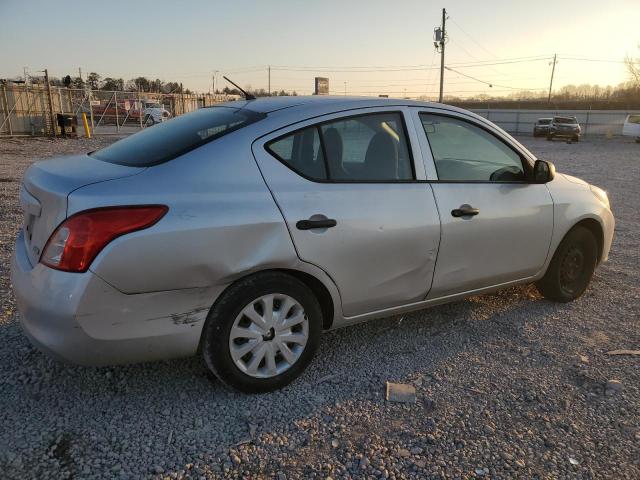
pixel 337 102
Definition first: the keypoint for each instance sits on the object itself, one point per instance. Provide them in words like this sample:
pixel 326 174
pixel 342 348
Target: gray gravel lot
pixel 508 385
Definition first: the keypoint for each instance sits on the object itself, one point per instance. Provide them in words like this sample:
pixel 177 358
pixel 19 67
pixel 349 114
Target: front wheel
pixel 262 333
pixel 571 267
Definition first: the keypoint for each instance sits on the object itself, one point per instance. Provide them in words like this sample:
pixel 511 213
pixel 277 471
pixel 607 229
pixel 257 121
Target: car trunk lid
pixel 46 186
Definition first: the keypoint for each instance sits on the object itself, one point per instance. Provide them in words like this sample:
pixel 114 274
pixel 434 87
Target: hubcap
pixel 269 335
pixel 572 268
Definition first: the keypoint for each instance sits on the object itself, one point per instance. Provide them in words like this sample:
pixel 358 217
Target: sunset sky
pixel 376 47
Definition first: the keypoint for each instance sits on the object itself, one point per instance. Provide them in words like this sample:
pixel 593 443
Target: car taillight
pixel 78 240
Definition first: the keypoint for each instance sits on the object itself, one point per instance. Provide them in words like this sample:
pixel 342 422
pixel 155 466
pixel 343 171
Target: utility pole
pixel 52 114
pixel 553 70
pixel 213 81
pixel 269 83
pixel 80 73
pixel 443 38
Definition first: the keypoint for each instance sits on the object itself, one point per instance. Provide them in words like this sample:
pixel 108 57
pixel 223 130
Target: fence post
pixel 5 105
pixel 115 97
pixel 93 125
pixel 140 110
pixel 51 114
pixel 586 127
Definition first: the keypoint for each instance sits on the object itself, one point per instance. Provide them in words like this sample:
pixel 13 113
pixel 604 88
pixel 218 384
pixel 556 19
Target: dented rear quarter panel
pixel 222 222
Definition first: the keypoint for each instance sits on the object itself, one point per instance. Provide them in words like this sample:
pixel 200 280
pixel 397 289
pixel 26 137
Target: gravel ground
pixel 508 385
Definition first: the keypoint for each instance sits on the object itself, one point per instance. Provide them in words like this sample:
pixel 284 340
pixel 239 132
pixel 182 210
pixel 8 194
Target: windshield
pixel 168 140
pixel 154 105
pixel 565 120
pixel 544 121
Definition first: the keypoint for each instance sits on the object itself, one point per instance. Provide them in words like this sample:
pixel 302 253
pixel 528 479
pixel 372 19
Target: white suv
pixel 154 112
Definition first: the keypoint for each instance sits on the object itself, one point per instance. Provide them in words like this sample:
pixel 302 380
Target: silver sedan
pixel 241 232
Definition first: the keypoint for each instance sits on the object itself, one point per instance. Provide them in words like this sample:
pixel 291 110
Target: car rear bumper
pixel 565 134
pixel 79 318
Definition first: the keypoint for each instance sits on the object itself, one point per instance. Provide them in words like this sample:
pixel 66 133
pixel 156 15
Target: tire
pixel 571 267
pixel 576 139
pixel 535 134
pixel 253 295
pixel 146 121
pixel 549 138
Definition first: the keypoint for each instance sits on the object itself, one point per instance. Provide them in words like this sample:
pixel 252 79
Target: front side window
pixel 171 139
pixel 634 119
pixel 463 151
pixel 363 148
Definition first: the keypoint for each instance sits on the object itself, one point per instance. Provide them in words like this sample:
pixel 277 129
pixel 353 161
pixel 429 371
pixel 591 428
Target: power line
pixel 488 83
pixel 473 39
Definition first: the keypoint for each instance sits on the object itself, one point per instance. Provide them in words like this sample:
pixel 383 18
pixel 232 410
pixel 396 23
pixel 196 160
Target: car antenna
pixel 247 96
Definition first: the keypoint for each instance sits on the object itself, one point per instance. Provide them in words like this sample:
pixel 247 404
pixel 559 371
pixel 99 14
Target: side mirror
pixel 543 172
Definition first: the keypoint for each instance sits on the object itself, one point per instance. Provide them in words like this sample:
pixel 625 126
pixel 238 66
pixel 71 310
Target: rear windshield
pixel 168 140
pixel 565 120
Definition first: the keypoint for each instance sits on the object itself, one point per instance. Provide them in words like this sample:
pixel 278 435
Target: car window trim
pixel 526 165
pixel 319 125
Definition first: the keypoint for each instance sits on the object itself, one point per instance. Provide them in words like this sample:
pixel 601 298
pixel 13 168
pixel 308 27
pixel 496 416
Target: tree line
pixel 95 81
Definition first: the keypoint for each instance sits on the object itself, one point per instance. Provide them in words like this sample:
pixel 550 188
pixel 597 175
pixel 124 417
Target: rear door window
pixel 168 140
pixel 364 148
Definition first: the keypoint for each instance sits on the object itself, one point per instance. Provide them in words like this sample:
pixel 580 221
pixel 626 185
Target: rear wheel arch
pixel 319 290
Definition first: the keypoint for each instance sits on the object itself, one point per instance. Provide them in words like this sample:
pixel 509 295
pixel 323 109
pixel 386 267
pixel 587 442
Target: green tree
pixel 111 84
pixel 93 80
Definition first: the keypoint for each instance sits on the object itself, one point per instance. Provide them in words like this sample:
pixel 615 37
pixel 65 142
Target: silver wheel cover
pixel 269 335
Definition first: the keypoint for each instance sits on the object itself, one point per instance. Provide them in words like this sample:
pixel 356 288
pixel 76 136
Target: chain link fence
pixel 33 109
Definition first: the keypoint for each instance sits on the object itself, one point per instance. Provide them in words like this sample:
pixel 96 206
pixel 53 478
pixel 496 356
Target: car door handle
pixel 465 211
pixel 311 224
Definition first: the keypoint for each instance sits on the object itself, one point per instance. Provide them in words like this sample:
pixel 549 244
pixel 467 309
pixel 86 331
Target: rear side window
pixel 634 119
pixel 161 143
pixel 568 120
pixel 363 148
pixel 301 151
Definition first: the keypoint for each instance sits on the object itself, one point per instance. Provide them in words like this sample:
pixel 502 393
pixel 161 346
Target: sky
pixel 364 47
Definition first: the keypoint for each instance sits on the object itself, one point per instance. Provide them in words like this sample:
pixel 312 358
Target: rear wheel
pixel 571 268
pixel 576 138
pixel 262 333
pixel 549 138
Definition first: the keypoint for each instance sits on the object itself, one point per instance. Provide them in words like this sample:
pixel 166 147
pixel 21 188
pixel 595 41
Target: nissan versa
pixel 240 232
